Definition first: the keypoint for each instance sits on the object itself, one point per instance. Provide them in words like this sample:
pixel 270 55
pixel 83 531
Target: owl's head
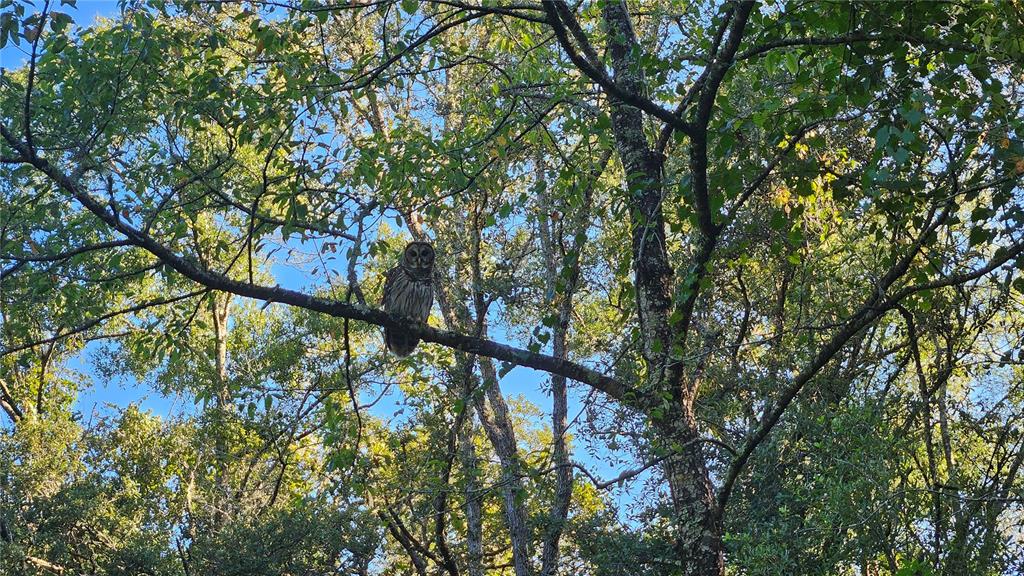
pixel 418 258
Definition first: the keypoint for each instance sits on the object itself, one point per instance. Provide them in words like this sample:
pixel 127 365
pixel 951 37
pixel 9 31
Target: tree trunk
pixel 473 501
pixel 219 305
pixel 559 398
pixel 498 426
pixel 699 534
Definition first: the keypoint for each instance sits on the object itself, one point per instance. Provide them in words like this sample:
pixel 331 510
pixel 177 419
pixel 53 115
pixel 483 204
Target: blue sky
pixel 84 13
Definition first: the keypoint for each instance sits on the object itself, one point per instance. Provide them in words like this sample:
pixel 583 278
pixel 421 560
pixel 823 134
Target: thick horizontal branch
pixel 217 281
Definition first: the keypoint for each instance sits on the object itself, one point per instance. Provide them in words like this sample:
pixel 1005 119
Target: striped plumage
pixel 409 292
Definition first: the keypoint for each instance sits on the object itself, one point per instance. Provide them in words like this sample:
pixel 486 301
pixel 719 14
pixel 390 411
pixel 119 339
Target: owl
pixel 409 292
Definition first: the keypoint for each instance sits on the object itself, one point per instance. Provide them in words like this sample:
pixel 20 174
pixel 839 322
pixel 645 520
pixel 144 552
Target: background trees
pixel 770 251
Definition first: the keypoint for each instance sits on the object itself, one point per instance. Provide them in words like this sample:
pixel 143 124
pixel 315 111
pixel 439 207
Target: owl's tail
pixel 399 344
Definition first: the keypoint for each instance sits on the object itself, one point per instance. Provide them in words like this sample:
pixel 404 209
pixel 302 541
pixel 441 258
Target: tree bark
pixel 219 306
pixel 473 501
pixel 573 235
pixel 643 167
pixel 559 404
pixel 498 426
pixel 698 533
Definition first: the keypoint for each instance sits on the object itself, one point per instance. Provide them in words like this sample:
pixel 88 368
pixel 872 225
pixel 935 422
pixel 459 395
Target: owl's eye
pixel 420 253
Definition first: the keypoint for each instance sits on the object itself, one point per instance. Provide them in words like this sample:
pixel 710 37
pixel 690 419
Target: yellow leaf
pixel 782 196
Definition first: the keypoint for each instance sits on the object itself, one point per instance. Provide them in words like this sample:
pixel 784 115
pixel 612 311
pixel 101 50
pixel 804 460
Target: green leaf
pixel 792 62
pixel 901 155
pixel 778 220
pixel 59 21
pixel 978 236
pixel 882 137
pixel 981 214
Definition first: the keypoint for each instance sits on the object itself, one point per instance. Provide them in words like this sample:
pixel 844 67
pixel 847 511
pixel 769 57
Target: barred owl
pixel 409 292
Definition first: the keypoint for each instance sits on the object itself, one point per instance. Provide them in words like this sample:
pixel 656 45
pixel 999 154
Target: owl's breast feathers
pixel 417 274
pixel 410 295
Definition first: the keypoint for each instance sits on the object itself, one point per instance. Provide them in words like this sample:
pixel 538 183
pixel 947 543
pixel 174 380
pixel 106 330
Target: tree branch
pixel 99 320
pixel 850 39
pixel 217 281
pixel 600 76
pixel 705 103
pixel 69 254
pixel 874 307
